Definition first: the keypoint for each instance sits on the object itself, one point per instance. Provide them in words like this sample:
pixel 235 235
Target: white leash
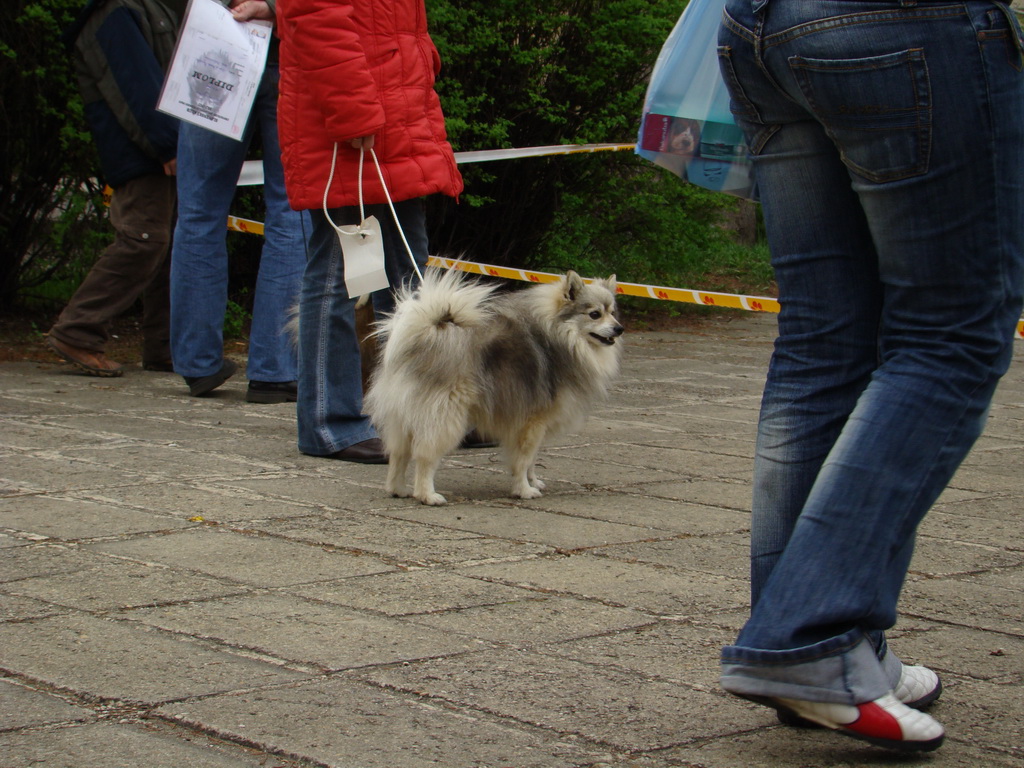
pixel 362 213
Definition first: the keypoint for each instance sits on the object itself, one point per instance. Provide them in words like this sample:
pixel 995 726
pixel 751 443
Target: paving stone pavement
pixel 180 587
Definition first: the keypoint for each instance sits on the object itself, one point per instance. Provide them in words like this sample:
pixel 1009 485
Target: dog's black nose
pixel 618 330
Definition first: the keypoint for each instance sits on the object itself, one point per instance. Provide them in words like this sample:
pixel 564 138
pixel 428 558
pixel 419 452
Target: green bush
pixel 520 73
pixel 636 220
pixel 50 205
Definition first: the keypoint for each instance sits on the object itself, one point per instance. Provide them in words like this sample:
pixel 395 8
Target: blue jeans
pixel 888 145
pixel 330 404
pixel 208 168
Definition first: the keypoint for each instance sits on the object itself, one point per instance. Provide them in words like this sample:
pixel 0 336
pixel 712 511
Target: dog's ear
pixel 573 285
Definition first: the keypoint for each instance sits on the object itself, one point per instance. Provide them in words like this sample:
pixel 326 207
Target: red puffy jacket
pixel 360 68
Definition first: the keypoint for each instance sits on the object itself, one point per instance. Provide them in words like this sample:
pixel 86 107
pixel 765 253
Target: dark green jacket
pixel 121 50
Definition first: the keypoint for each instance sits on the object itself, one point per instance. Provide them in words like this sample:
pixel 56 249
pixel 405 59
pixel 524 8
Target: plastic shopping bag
pixel 687 127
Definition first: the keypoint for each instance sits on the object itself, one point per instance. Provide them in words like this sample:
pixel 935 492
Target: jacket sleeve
pixel 132 85
pixel 323 41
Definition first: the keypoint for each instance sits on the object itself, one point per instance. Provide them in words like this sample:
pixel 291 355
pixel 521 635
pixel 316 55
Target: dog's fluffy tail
pixel 430 320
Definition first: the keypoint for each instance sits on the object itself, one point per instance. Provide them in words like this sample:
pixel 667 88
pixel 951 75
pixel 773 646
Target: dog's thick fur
pixel 518 367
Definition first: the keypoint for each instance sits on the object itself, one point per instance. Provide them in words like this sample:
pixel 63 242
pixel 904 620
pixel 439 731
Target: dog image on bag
pixel 519 367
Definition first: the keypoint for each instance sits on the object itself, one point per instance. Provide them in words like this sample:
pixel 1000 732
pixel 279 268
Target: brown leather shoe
pixel 367 452
pixel 92 363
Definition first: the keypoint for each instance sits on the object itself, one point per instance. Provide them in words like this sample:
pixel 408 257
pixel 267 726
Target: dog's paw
pixel 537 483
pixel 399 492
pixel 529 492
pixel 433 499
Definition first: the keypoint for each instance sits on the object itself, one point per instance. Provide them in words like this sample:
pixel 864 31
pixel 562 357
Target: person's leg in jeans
pixel 272 354
pixel 880 382
pixel 330 403
pixel 398 263
pixel 208 168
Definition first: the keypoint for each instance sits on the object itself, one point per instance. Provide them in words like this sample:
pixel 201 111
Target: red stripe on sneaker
pixel 876 723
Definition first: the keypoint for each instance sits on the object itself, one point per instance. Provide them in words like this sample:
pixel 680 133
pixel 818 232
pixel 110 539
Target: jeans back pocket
pixel 878 110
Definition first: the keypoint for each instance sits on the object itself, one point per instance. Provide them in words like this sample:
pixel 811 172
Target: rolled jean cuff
pixel 840 670
pixel 329 442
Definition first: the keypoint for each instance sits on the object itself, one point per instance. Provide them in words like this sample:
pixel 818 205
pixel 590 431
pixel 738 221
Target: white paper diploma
pixel 217 67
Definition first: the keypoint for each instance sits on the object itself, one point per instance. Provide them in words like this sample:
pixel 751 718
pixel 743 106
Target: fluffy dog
pixel 518 366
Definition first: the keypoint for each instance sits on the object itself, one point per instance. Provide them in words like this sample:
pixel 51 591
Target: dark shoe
pixel 474 439
pixel 92 363
pixel 161 366
pixel 272 392
pixel 202 385
pixel 367 452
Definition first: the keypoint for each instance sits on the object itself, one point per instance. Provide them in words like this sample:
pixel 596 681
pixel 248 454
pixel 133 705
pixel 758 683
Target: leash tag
pixel 362 247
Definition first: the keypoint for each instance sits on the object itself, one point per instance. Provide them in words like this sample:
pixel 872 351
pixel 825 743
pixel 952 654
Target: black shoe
pixel 272 392
pixel 474 439
pixel 202 385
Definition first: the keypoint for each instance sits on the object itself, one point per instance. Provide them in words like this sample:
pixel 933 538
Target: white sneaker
pixel 918 686
pixel 885 722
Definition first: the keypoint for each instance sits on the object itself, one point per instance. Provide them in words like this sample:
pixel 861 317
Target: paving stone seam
pixel 578 735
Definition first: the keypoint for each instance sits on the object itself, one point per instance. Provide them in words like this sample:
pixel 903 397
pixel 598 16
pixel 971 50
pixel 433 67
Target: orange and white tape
pixel 662 293
pixel 236 224
pixel 687 295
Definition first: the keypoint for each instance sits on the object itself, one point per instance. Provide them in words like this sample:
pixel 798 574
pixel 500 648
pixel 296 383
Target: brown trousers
pixel 136 264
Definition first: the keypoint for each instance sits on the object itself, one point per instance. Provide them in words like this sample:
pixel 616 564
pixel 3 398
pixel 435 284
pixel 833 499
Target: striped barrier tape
pixel 662 293
pixel 705 298
pixel 686 295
